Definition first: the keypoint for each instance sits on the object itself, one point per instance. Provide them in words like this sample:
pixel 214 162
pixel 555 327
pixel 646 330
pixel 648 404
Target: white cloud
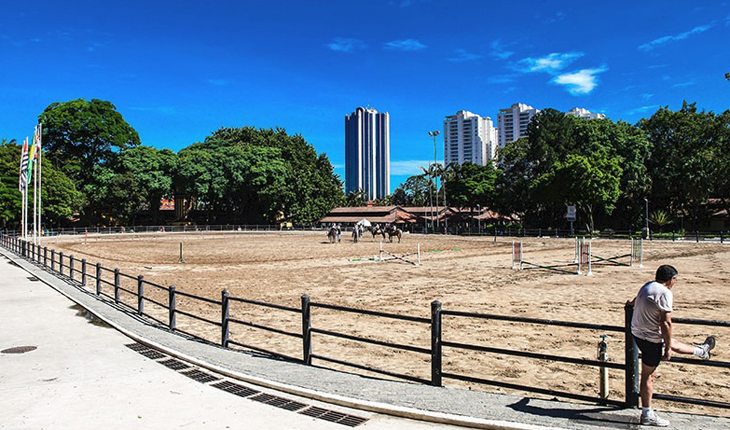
pixel 581 82
pixel 462 55
pixel 408 167
pixel 343 44
pixel 684 84
pixel 671 38
pixel 551 63
pixel 499 51
pixel 641 109
pixel 405 45
pixel 501 79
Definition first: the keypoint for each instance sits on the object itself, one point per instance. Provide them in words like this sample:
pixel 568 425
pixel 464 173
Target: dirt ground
pixel 464 273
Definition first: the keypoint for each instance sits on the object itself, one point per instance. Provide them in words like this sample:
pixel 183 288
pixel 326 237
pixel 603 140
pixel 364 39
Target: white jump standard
pixel 583 259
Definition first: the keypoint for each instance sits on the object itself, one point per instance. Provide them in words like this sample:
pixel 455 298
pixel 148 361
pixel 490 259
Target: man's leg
pixel 702 351
pixel 647 385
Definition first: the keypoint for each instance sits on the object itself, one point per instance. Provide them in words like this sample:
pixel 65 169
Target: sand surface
pixel 464 273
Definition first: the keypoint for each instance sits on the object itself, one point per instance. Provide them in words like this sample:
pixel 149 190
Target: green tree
pixel 686 150
pixel 414 191
pixel 472 185
pixel 83 138
pixel 60 199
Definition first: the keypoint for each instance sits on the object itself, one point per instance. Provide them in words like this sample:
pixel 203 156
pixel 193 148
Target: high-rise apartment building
pixel 469 138
pixel 585 113
pixel 513 122
pixel 367 152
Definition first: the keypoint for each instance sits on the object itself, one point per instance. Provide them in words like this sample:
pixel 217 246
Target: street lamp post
pixel 433 134
pixel 646 216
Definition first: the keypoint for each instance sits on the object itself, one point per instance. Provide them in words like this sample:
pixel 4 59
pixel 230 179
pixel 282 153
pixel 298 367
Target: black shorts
pixel 651 353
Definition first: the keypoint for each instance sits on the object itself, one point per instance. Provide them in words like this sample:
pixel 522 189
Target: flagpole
pixel 35 205
pixel 40 178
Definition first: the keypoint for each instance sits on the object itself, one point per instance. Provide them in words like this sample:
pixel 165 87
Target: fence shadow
pixel 599 416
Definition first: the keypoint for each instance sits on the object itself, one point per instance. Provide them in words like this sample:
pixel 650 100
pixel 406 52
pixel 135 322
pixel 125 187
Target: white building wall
pixel 513 122
pixel 468 138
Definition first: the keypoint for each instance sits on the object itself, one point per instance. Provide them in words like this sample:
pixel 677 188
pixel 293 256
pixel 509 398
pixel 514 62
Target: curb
pixel 349 402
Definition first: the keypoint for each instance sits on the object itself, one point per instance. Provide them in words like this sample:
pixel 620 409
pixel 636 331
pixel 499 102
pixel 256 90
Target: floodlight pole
pixel 646 216
pixel 433 134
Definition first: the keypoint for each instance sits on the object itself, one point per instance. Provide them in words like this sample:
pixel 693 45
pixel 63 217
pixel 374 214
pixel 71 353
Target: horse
pixel 333 234
pixel 392 230
pixel 377 230
pixel 357 233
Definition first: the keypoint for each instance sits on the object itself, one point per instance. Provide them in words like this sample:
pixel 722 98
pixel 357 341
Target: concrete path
pixel 114 379
pixel 82 376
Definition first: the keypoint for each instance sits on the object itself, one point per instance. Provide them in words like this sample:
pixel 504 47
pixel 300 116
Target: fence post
pixel 436 343
pixel 171 307
pixel 721 236
pixel 45 256
pixel 98 279
pixel 631 360
pixel 140 294
pixel 116 285
pixel 53 260
pixel 697 236
pixel 71 267
pixel 224 318
pixel 83 272
pixel 306 330
pixel 60 262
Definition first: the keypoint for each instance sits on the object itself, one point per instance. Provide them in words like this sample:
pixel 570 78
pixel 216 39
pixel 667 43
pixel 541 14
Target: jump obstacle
pixel 583 260
pixel 389 256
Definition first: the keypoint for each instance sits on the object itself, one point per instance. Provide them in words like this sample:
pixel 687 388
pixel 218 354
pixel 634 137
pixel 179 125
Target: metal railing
pixel 102 279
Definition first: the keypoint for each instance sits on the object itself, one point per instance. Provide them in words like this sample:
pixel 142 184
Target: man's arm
pixel 666 326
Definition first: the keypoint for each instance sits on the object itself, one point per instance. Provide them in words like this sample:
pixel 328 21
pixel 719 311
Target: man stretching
pixel 651 326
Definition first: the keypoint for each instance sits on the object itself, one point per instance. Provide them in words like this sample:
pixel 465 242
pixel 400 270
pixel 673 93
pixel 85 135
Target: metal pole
pixel 140 294
pixel 436 343
pixel 171 307
pixel 98 279
pixel 71 267
pixel 224 318
pixel 631 359
pixel 45 256
pixel 306 330
pixel 83 272
pixel 116 285
pixel 53 260
pixel 60 262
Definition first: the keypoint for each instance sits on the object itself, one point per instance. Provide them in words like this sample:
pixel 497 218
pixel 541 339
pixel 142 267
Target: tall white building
pixel 585 113
pixel 513 122
pixel 367 152
pixel 469 138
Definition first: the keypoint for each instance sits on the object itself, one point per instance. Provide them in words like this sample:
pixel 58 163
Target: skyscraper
pixel 513 122
pixel 469 138
pixel 367 153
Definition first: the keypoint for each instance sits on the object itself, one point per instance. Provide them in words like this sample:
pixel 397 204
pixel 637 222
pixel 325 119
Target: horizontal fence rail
pixel 99 279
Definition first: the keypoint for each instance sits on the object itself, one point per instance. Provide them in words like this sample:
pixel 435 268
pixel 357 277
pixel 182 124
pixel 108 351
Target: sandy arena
pixel 464 273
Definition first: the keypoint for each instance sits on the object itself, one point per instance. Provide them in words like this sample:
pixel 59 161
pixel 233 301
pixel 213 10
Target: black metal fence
pixel 131 292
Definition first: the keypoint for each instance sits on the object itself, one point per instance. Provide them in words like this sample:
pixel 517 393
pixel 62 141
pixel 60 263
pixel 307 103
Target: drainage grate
pixel 33 279
pixel 150 353
pixel 263 398
pixel 352 421
pixel 236 389
pixel 174 364
pixel 19 349
pixel 293 406
pixel 199 376
pixel 137 347
pixel 332 416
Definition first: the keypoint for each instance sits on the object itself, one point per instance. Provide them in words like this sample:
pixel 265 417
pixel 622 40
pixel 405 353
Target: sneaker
pixel 707 346
pixel 653 420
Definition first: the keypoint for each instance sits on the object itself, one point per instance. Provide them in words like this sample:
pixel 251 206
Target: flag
pixel 23 175
pixel 31 157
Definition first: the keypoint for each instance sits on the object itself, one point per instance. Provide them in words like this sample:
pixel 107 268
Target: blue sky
pixel 178 70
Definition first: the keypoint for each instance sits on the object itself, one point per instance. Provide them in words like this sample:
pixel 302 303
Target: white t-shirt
pixel 652 301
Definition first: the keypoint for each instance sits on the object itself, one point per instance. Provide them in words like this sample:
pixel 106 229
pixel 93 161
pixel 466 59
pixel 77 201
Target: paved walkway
pixel 71 379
